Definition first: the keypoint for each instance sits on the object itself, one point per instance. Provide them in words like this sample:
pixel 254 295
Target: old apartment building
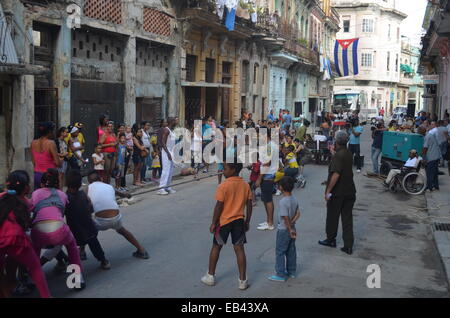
pixel 120 58
pixel 70 61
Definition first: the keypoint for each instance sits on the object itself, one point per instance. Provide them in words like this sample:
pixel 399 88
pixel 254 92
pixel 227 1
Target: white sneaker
pixel 266 227
pixel 162 192
pixel 278 193
pixel 243 284
pixel 263 223
pixel 358 170
pixel 172 191
pixel 208 280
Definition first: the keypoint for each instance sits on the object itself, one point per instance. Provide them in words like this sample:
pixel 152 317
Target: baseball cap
pixel 78 125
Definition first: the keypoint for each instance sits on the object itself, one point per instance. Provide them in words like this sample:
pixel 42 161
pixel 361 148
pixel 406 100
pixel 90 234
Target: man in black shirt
pixel 340 195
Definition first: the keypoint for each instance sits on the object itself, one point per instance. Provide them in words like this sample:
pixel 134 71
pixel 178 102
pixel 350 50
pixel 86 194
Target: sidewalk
pixel 438 205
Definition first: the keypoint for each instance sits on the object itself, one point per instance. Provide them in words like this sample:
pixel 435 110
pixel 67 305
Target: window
pixel 210 70
pixel 367 25
pixel 191 65
pixel 396 63
pixel 346 26
pixel 255 72
pixel 366 59
pixel 389 31
pixel 36 38
pixel 398 34
pixel 388 60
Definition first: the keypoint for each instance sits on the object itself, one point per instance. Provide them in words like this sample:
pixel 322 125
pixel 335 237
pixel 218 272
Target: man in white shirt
pixel 410 164
pixel 106 211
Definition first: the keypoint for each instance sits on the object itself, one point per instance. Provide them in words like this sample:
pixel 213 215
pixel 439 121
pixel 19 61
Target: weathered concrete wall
pixel 129 70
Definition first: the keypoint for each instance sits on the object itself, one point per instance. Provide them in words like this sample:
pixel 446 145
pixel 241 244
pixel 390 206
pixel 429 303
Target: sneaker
pixel 266 227
pixel 262 224
pixel 278 193
pixel 172 191
pixel 358 170
pixel 208 279
pixel 162 192
pixel 143 255
pixel 243 284
pixel 105 264
pixel 276 278
pixel 290 275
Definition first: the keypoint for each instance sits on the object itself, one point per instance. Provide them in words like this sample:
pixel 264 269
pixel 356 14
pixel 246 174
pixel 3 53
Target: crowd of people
pixel 52 218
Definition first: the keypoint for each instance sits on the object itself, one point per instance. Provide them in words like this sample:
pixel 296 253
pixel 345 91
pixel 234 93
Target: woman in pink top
pixel 44 152
pixel 15 245
pixel 49 228
pixel 103 122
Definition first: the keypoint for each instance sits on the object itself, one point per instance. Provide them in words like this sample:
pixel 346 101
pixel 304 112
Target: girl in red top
pixel 15 246
pixel 109 143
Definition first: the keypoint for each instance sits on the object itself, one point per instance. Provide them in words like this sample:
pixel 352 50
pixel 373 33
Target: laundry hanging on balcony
pixel 230 12
pixel 346 57
pixel 326 68
pixel 220 8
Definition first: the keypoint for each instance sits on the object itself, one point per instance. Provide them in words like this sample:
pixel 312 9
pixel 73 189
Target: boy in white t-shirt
pixel 99 161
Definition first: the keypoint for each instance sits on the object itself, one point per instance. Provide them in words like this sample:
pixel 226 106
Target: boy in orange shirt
pixel 232 197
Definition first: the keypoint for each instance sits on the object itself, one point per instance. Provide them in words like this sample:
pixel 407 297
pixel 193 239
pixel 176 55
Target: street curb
pixel 441 242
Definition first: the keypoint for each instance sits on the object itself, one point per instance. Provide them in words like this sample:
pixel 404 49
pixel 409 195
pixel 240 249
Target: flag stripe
pixel 345 61
pixel 355 57
pixel 336 58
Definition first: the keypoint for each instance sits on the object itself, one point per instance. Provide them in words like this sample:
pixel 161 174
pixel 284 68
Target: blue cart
pixel 396 147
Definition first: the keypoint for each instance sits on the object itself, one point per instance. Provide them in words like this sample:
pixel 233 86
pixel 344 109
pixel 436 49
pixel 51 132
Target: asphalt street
pixel 390 230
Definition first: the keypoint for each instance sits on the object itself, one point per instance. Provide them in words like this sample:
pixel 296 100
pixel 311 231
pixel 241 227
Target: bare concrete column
pixel 129 73
pixel 174 74
pixel 22 128
pixel 62 73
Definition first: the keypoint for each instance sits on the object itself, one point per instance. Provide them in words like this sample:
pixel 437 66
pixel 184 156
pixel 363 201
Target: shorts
pixel 110 159
pixel 103 224
pixel 291 172
pixel 267 191
pixel 237 230
pixel 137 159
pixel 63 167
pixel 220 167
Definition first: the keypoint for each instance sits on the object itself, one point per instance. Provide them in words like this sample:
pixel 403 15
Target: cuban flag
pixel 346 57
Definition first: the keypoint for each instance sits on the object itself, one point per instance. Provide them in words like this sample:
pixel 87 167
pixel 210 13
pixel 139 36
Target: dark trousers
pixel 123 181
pixel 355 149
pixel 96 248
pixel 432 170
pixel 341 206
pixel 73 163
